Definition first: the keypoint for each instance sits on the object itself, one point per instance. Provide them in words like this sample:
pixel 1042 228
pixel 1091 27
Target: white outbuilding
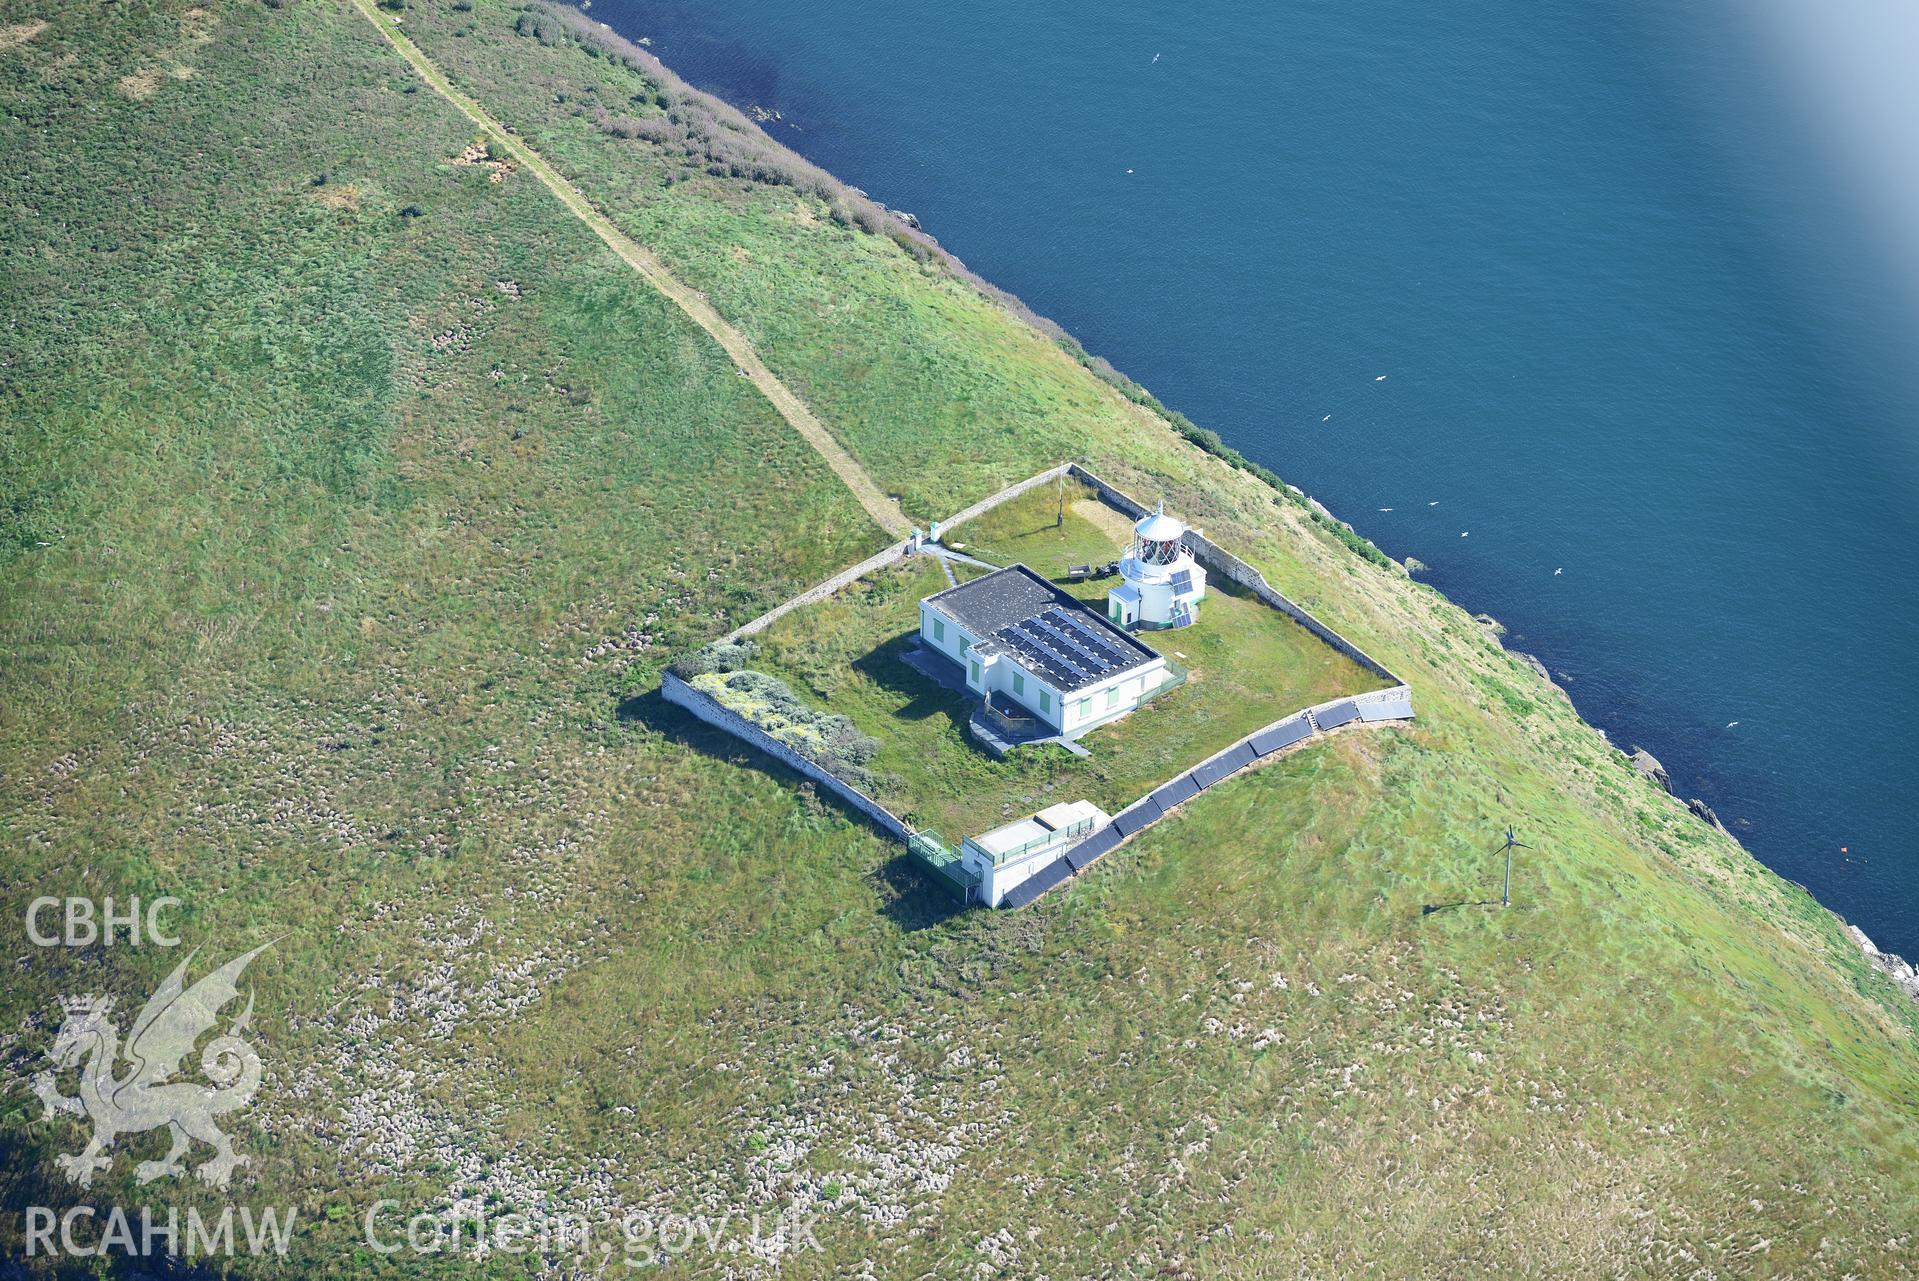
pixel 1161 585
pixel 1008 856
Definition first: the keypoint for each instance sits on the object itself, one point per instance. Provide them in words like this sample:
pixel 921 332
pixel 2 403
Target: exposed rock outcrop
pixel 1896 968
pixel 1648 764
pixel 1705 813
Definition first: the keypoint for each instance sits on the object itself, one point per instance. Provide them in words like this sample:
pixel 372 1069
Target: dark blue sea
pixel 1631 272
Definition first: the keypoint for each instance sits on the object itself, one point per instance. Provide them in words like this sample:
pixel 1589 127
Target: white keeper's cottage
pixel 1022 639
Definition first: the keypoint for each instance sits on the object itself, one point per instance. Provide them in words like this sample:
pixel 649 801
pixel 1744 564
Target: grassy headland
pixel 352 501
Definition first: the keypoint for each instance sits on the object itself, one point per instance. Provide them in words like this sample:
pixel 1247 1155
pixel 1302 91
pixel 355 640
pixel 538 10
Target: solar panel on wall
pixel 1397 707
pixel 1183 580
pixel 1099 842
pixel 1137 817
pixel 1336 715
pixel 1180 789
pixel 1037 884
pixel 1284 734
pixel 1241 756
pixel 1094 847
pixel 1211 772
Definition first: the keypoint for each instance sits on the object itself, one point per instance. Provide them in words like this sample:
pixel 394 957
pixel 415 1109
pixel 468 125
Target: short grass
pixel 1049 529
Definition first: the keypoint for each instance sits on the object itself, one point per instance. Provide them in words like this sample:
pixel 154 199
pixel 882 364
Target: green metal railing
pixel 1070 832
pixel 938 857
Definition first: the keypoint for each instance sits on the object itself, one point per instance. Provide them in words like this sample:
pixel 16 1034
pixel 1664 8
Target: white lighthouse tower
pixel 1162 583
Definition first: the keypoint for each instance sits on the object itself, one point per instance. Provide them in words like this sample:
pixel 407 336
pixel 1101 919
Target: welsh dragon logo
pixel 143 1096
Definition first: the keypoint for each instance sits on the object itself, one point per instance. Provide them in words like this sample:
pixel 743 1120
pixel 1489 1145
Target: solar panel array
pixel 1101 842
pixel 1043 880
pixel 1211 772
pixel 1066 650
pixel 1183 580
pixel 1284 734
pixel 1180 789
pixel 1395 706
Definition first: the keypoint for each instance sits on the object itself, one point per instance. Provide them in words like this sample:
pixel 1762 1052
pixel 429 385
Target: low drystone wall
pixel 985 505
pixel 846 577
pixel 898 551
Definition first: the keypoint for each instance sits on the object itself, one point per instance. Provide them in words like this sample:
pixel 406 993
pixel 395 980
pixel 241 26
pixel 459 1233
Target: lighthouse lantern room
pixel 1162 584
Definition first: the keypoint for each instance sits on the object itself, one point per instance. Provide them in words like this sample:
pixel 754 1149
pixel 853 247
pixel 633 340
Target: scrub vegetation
pixel 825 737
pixel 350 501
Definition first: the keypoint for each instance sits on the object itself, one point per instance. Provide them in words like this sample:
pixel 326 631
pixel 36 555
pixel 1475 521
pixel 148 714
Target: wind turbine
pixel 1512 843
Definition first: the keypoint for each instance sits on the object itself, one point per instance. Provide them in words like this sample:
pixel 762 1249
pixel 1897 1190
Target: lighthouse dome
pixel 1158 527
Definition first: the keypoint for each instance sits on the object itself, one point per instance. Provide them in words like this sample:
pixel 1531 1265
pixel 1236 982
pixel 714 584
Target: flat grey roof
pixel 996 600
pixel 1015 613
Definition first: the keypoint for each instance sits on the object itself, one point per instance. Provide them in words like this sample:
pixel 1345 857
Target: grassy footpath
pixel 350 501
pixel 882 509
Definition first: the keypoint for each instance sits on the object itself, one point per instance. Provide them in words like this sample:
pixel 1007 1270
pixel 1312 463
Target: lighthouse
pixel 1162 584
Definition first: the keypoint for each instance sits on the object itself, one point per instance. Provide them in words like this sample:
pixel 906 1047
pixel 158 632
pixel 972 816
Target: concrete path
pixel 948 554
pixel 884 511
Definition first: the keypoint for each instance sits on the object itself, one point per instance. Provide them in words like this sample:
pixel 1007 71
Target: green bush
pixel 720 656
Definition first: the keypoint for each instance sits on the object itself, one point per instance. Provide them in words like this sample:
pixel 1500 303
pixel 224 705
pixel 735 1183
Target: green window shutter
pixel 1112 696
pixel 1085 704
pixel 1019 682
pixel 974 664
pixel 1045 701
pixel 939 629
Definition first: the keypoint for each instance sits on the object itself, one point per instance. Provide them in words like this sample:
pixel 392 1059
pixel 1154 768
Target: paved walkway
pixel 884 511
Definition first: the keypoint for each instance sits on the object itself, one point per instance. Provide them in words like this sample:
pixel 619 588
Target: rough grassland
pixel 343 528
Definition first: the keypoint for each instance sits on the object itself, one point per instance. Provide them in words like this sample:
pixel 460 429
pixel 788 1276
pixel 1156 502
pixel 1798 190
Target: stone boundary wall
pixel 898 551
pixel 985 505
pixel 1300 727
pixel 1289 731
pixel 708 709
pixel 1219 560
pixel 844 578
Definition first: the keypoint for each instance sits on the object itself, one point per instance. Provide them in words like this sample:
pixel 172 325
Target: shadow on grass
pixel 885 667
pixel 916 899
pixel 1427 909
